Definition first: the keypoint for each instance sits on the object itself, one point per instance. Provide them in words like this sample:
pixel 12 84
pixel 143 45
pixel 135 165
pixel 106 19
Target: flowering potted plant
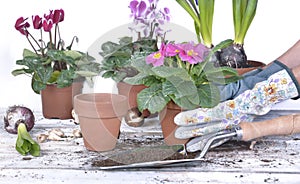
pixel 50 63
pixel 180 74
pixel 202 12
pixel 147 20
pixel 117 57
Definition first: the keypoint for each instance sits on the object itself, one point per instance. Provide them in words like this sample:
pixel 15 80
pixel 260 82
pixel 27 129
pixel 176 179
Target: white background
pixel 274 29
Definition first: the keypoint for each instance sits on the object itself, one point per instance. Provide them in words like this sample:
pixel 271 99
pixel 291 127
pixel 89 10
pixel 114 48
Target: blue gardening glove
pixel 258 101
pixel 232 90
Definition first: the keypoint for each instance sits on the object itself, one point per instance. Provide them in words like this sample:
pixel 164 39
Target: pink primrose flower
pixel 157 58
pixel 172 49
pixel 193 53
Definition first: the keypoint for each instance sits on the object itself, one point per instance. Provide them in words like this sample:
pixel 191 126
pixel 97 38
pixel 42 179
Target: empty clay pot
pixel 100 116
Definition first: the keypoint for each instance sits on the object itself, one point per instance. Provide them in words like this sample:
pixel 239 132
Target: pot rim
pixel 88 98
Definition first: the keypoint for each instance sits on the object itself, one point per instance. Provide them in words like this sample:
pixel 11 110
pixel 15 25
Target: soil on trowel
pixel 134 155
pixel 131 151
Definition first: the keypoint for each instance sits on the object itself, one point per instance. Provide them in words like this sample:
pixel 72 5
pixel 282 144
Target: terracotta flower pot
pixel 166 117
pixel 253 64
pixel 131 91
pixel 57 103
pixel 100 117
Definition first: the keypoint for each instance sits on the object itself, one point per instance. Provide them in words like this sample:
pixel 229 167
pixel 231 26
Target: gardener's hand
pixel 258 101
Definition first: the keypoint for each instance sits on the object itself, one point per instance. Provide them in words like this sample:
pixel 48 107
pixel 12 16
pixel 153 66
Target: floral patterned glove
pixel 278 87
pixel 249 80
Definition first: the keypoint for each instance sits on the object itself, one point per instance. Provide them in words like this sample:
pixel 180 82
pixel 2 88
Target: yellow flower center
pixel 191 53
pixel 157 55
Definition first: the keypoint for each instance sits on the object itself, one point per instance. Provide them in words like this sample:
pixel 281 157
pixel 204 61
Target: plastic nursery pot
pixel 57 103
pixel 100 116
pixel 166 117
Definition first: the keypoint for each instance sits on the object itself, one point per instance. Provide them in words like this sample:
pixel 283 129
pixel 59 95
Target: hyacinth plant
pixel 49 61
pixel 147 20
pixel 182 73
pixel 202 12
pixel 243 13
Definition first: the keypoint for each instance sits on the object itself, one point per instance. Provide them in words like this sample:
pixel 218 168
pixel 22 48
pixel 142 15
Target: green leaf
pixel 152 99
pixel 21 71
pixel 35 149
pixel 206 9
pixel 243 13
pixel 86 73
pixel 209 95
pixel 137 79
pixel 65 78
pixel 29 53
pixel 165 72
pixel 192 12
pixel 183 93
pixel 73 54
pixel 138 62
pixel 56 55
pixel 54 77
pixel 25 144
pixel 125 40
pixel 44 73
pixel 185 103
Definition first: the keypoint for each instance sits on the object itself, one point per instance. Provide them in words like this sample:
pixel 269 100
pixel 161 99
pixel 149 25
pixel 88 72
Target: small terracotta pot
pixel 100 117
pixel 166 117
pixel 131 91
pixel 254 65
pixel 57 103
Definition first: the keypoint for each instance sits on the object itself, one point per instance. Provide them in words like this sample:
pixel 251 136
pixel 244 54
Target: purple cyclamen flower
pixel 137 8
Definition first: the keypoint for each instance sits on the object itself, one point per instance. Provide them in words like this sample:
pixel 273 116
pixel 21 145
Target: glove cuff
pixel 292 77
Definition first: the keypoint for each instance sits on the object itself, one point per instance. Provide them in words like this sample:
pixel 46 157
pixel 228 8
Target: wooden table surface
pixel 273 159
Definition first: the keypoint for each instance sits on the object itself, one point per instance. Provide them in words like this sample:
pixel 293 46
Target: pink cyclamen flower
pixel 21 25
pixel 58 16
pixel 37 22
pixel 193 53
pixel 47 25
pixel 49 16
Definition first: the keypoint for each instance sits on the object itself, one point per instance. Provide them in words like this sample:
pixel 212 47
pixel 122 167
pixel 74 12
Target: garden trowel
pixel 245 131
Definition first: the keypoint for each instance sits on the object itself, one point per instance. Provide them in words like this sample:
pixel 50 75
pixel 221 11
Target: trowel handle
pixel 283 125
